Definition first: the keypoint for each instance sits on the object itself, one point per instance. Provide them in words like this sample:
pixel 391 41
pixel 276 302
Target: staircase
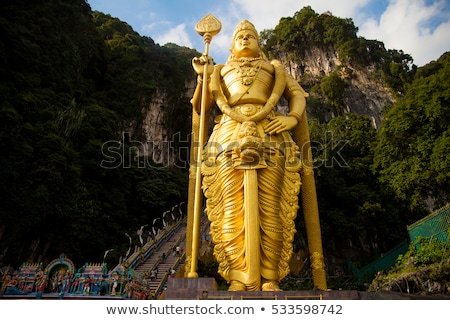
pixel 142 262
pixel 164 267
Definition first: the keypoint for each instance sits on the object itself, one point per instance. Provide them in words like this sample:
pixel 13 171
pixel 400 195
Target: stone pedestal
pixel 189 288
pixel 206 288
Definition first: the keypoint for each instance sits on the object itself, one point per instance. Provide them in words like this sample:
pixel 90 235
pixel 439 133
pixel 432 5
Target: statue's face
pixel 245 44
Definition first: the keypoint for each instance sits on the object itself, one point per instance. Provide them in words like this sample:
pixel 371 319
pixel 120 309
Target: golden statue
pixel 253 166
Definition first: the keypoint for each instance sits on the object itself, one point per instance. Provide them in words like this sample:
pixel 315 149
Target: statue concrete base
pixel 206 288
pixel 189 288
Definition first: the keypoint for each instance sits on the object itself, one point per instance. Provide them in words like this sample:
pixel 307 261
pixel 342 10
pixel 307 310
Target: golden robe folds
pixel 251 88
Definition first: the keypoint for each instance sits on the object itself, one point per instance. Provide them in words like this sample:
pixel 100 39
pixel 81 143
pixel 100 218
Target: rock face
pixel 153 137
pixel 149 135
pixel 423 281
pixel 364 94
pixel 367 97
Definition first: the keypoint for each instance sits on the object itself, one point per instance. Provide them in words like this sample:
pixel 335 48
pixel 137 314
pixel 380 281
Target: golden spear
pixel 207 27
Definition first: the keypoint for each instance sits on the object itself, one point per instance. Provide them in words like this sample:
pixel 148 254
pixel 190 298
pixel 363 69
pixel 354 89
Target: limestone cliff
pixel 162 136
pixel 364 92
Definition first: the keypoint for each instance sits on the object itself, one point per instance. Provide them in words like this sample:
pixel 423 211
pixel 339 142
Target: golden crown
pixel 245 25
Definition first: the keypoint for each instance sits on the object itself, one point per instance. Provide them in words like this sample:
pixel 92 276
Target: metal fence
pixel 383 263
pixel 436 224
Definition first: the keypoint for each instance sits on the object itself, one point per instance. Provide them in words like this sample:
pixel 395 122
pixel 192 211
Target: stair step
pixel 163 267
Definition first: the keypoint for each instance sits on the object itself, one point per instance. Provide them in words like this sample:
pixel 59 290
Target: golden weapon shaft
pixel 207 27
pixel 310 206
pixel 198 174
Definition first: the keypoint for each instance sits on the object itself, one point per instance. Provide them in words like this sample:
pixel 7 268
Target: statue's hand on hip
pixel 279 124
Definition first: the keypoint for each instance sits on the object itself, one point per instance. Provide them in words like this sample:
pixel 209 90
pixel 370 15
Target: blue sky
pixel 420 28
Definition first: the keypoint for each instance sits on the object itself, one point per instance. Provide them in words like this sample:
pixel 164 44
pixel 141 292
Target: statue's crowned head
pixel 245 25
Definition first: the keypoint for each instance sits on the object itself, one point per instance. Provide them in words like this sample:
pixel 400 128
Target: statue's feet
pixel 236 286
pixel 270 285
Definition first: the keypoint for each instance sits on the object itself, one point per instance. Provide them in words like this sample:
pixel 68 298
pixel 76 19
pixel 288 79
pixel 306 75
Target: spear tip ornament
pixel 208 24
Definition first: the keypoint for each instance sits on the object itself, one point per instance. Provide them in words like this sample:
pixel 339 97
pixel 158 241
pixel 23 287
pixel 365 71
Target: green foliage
pixel 70 79
pixel 398 71
pixel 307 28
pixel 413 142
pixel 68 121
pixel 423 253
pixel 324 28
pixel 338 30
pixel 423 269
pixel 294 283
pixel 332 88
pixel 139 69
pixel 353 205
pixel 428 251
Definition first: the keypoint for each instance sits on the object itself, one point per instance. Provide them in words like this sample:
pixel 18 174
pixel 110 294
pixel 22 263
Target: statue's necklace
pixel 247 72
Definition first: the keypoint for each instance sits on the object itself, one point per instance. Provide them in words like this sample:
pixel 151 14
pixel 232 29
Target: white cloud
pixel 408 25
pixel 176 35
pixel 267 15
